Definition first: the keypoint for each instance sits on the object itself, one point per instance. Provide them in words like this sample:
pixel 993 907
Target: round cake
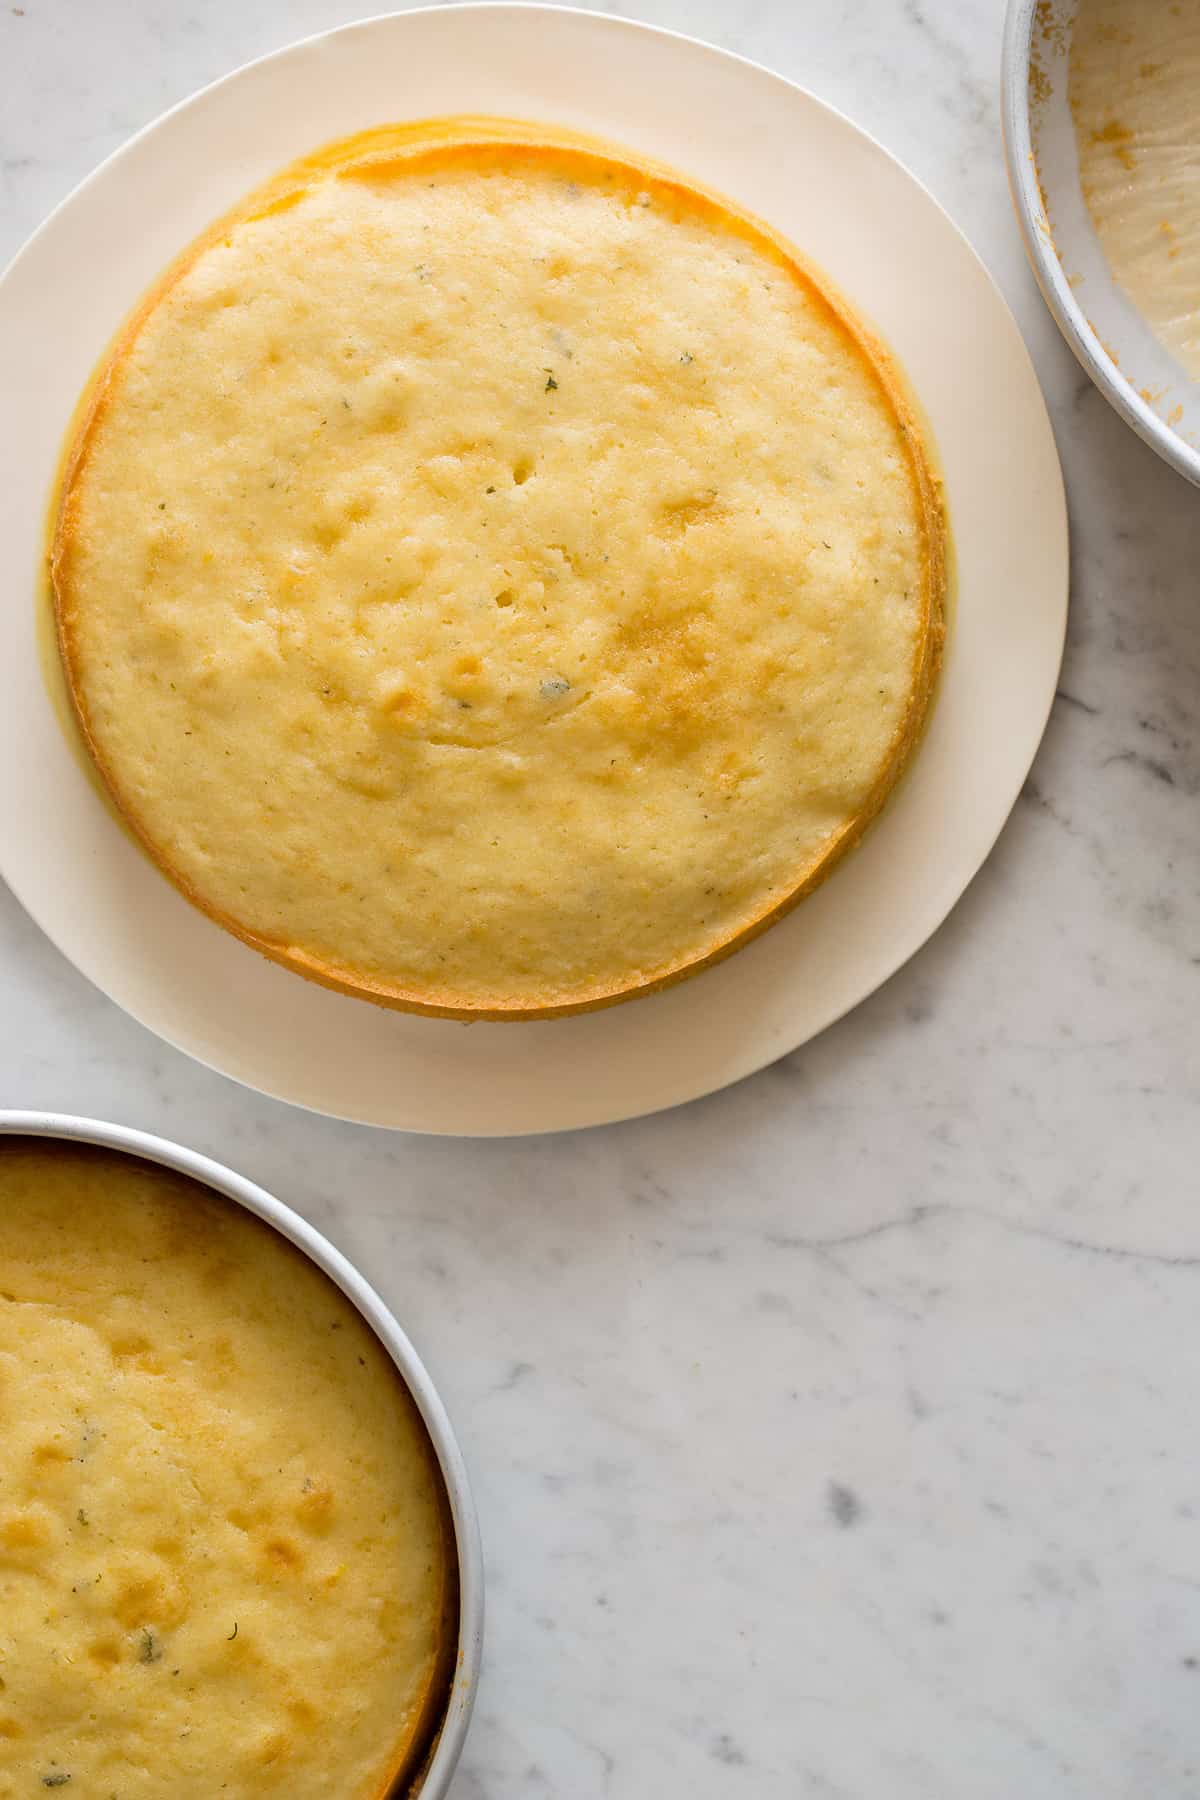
pixel 494 577
pixel 226 1560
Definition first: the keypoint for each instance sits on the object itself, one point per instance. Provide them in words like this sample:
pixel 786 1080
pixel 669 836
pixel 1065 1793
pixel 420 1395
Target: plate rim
pixel 888 963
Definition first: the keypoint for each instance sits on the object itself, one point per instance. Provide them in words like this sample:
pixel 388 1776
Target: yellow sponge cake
pixel 496 578
pixel 226 1561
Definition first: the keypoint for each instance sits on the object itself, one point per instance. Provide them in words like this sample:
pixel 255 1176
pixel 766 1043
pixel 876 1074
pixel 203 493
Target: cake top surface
pixel 495 572
pixel 223 1549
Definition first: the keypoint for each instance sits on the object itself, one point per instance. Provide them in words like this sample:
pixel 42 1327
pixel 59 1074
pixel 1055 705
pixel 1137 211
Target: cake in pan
pixel 227 1564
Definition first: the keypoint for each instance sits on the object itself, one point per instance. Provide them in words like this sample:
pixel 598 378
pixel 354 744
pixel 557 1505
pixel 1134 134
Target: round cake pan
pixel 434 1781
pixel 1112 340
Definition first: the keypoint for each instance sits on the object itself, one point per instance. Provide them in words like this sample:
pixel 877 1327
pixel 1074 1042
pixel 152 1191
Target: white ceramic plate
pixel 849 206
pixel 1136 374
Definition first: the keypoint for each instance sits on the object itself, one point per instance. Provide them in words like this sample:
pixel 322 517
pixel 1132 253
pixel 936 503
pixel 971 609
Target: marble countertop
pixel 834 1436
